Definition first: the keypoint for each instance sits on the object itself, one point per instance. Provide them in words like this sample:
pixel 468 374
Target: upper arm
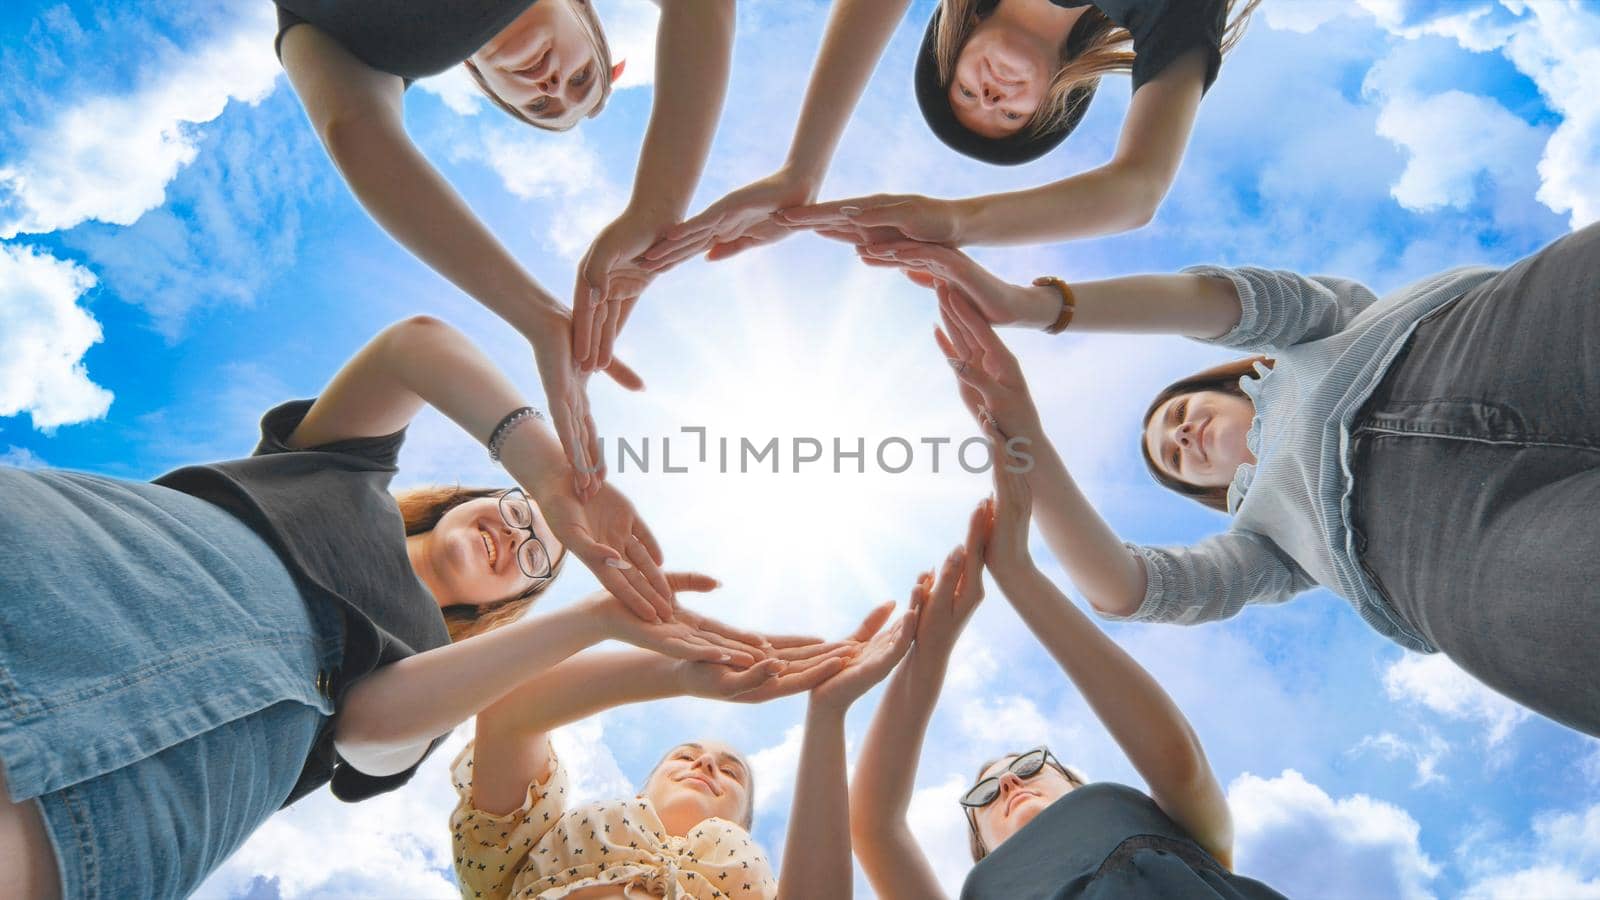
pixel 1201 807
pixel 333 85
pixel 1213 579
pixel 368 397
pixel 1156 131
pixel 505 762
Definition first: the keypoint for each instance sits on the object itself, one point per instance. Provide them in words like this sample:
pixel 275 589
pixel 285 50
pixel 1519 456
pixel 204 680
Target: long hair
pixel 590 20
pixel 1096 46
pixel 422 508
pixel 974 842
pixel 1223 378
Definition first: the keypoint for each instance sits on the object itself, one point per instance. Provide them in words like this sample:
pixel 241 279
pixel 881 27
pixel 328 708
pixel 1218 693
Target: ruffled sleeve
pixel 490 850
pixel 1279 309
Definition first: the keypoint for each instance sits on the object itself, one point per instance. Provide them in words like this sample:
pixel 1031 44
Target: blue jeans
pixel 1476 467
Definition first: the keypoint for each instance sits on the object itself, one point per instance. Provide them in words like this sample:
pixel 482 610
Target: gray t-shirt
pixel 409 38
pixel 328 513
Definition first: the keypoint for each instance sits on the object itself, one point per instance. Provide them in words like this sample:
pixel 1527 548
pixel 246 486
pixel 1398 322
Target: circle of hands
pixel 919 236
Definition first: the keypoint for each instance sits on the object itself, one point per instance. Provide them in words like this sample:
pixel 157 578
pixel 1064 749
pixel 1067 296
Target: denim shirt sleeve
pixel 1279 309
pixel 1213 579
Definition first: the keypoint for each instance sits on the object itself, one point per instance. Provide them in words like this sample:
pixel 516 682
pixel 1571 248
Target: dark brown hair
pixel 975 843
pixel 1102 46
pixel 590 20
pixel 422 508
pixel 1223 378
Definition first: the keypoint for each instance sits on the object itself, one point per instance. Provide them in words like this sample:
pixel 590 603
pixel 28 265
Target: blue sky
pixel 177 255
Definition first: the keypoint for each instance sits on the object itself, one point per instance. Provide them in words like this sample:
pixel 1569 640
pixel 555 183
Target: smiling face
pixel 1199 437
pixel 545 65
pixel 1001 77
pixel 470 555
pixel 697 781
pixel 1018 800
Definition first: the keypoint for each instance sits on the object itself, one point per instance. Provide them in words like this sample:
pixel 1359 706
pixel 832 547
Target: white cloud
pixel 457 89
pixel 1563 860
pixel 941 830
pixel 774 768
pixel 1451 139
pixel 531 166
pixel 1425 753
pixel 1363 847
pixel 43 336
pixel 631 33
pixel 22 458
pixel 1435 682
pixel 110 157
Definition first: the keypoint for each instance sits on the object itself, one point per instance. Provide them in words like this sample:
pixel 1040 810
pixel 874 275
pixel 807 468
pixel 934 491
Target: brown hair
pixel 747 818
pixel 1223 378
pixel 1095 46
pixel 590 20
pixel 421 509
pixel 975 843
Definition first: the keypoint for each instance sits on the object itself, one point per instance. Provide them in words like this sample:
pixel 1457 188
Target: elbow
pixel 1142 193
pixel 415 334
pixel 347 133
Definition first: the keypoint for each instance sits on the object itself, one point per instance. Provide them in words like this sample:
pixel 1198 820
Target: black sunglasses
pixel 1025 766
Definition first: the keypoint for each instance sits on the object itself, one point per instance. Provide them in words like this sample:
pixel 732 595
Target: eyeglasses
pixel 532 557
pixel 1025 766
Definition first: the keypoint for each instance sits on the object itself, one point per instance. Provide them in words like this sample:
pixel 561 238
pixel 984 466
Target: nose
pixel 1183 435
pixel 1009 782
pixel 989 93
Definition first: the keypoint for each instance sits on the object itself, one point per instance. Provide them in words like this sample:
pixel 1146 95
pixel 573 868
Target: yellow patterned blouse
pixel 542 850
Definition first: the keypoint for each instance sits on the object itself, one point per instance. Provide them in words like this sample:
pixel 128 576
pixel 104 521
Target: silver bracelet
pixel 507 425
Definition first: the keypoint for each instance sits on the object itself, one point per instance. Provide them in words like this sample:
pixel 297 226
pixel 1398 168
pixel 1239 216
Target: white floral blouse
pixel 542 850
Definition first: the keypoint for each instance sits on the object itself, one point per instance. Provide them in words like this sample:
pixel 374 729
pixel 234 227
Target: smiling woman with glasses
pixel 1038 828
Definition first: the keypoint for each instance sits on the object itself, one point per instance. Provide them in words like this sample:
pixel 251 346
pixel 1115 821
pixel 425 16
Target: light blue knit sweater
pixel 1332 340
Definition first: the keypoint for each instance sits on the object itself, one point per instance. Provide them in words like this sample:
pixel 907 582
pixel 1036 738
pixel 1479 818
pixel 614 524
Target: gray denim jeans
pixel 1476 466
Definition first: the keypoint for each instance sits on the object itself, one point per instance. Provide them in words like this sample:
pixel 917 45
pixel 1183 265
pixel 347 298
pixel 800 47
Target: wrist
pixel 540 319
pixel 824 711
pixel 966 221
pixel 806 174
pixel 1012 570
pixel 1038 305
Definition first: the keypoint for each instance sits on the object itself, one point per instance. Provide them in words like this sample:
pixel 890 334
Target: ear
pixel 616 70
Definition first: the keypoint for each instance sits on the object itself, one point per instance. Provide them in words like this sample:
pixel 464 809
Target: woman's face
pixel 699 780
pixel 544 64
pixel 470 556
pixel 1001 77
pixel 1199 437
pixel 1019 800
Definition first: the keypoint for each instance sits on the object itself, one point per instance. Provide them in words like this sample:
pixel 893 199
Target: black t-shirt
pixel 1107 842
pixel 328 513
pixel 409 38
pixel 1164 30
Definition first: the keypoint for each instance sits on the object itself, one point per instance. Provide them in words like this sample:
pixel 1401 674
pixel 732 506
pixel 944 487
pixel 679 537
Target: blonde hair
pixel 590 20
pixel 421 509
pixel 1095 47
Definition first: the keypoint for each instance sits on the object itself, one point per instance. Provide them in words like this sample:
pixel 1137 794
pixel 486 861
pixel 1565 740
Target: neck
pixel 417 553
pixel 1050 22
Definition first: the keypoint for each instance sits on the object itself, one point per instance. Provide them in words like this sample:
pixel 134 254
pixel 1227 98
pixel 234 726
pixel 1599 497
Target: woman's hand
pixel 988 375
pixel 1011 512
pixel 696 638
pixel 610 280
pixel 999 301
pixel 606 533
pixel 907 216
pixel 945 606
pixel 875 657
pixel 566 393
pixel 737 222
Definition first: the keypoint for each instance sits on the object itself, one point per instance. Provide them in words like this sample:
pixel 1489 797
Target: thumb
pixel 624 375
pixel 873 621
pixel 692 581
pixel 757 675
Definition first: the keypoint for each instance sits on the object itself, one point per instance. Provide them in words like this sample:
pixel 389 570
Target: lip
pixel 493 552
pixel 1201 439
pixel 706 782
pixel 1016 800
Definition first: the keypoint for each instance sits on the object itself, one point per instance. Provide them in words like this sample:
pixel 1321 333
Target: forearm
pixel 694 51
pixel 852 44
pixel 1195 306
pixel 1110 577
pixel 1102 201
pixel 1132 705
pixel 584 685
pixel 402 191
pixel 418 698
pixel 885 767
pixel 816 853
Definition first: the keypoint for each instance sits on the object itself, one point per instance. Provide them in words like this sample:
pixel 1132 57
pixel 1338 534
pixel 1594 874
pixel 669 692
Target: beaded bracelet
pixel 1069 303
pixel 507 425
